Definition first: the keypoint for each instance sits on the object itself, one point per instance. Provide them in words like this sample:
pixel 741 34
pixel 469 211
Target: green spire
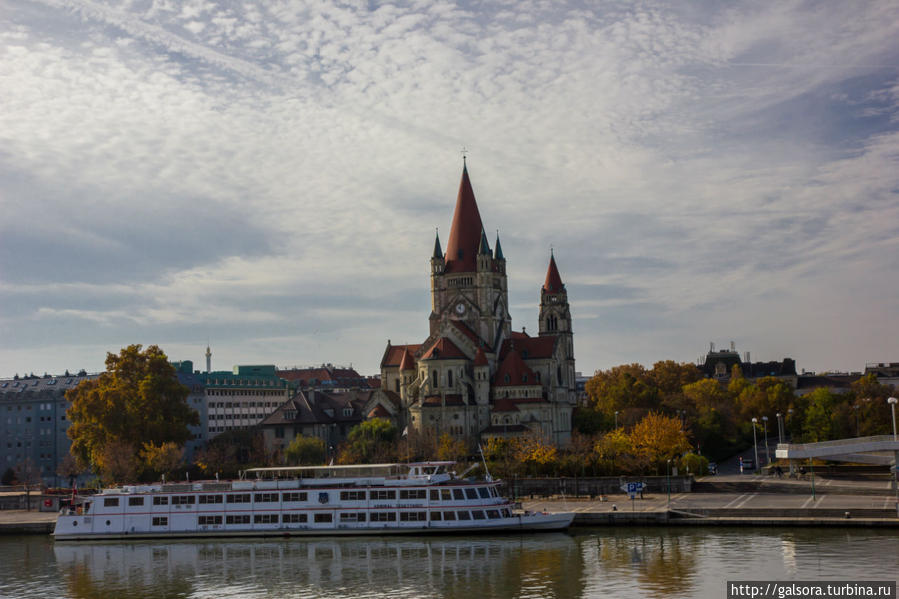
pixel 498 250
pixel 484 247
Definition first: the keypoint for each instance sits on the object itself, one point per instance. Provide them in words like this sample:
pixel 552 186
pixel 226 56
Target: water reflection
pixel 515 566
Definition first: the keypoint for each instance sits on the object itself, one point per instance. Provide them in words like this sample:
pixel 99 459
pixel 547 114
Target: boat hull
pixel 533 522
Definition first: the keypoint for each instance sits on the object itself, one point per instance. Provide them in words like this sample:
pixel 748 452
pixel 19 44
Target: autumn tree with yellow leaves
pixel 132 418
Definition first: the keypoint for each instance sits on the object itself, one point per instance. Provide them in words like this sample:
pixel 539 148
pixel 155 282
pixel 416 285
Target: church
pixel 474 377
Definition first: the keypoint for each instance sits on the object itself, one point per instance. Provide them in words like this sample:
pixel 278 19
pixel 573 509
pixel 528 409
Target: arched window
pixel 397 385
pixel 507 379
pixel 435 379
pixel 449 378
pixel 559 374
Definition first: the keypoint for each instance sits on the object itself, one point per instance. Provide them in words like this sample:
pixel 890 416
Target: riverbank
pixel 746 500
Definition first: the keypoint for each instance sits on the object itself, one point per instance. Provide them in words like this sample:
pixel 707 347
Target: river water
pixel 587 562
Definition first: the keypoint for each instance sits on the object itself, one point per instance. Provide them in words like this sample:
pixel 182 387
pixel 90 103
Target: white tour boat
pixel 376 499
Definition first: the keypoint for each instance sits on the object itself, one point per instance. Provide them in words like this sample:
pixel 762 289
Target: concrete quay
pixel 740 500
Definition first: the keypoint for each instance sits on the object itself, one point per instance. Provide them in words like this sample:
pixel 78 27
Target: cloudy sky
pixel 268 176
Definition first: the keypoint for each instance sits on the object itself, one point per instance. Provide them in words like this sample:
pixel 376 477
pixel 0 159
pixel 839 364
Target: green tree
pixel 627 389
pixel 137 400
pixel 306 451
pixel 818 423
pixel 369 441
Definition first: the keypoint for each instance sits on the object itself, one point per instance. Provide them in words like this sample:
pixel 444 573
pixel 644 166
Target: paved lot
pixel 735 501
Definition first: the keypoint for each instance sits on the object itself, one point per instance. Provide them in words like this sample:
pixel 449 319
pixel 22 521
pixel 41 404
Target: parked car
pixel 713 468
pixel 748 464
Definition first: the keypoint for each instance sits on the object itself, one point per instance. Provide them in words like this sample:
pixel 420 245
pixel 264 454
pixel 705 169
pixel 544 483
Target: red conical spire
pixel 553 282
pixel 465 233
pixel 407 363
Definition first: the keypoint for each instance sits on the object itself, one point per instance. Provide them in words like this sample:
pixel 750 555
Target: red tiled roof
pixel 452 399
pixel 530 347
pixel 393 355
pixel 520 335
pixel 480 358
pixel 407 363
pixel 504 404
pixel 465 233
pixel 379 412
pixel 443 349
pixel 553 283
pixel 513 371
pixel 463 328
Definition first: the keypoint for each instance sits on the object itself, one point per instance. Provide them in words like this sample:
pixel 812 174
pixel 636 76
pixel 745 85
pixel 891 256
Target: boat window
pixel 352 517
pixel 435 495
pixel 352 495
pixel 478 514
pixel 160 521
pixel 266 498
pixel 161 500
pixel 445 494
pixel 507 513
pixel 239 498
pixel 209 520
pixel 492 491
pixel 471 493
pixel 382 494
pixel 111 502
pixel 135 501
pixel 449 515
pixel 493 514
pixel 324 517
pixel 435 516
pixel 293 518
pixel 265 519
pixel 383 517
pixel 412 494
pixel 463 515
pixel 237 519
pixel 413 516
pixel 183 499
pixel 293 497
pixel 482 491
pixel 458 495
pixel 211 499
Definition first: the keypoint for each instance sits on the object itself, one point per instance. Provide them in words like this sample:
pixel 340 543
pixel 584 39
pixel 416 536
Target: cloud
pixel 270 174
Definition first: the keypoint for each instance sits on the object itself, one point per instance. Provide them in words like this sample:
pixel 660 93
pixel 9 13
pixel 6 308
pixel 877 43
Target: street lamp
pixel 755 443
pixel 668 479
pixel 616 419
pixel 780 428
pixel 892 401
pixel 856 407
pixel 767 454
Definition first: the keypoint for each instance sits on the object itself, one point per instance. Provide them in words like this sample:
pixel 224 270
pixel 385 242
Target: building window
pixel 449 378
pixel 435 379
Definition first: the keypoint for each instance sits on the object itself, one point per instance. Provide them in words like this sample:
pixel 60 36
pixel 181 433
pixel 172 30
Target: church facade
pixel 474 377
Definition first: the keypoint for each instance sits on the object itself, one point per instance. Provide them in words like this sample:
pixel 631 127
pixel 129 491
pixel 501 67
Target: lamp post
pixel 668 479
pixel 755 443
pixel 767 453
pixel 856 407
pixel 780 428
pixel 892 401
pixel 616 419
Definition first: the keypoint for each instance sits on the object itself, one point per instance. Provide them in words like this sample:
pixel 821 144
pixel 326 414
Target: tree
pixel 68 469
pixel 368 442
pixel 535 453
pixel 137 400
pixel 451 449
pixel 818 425
pixel 627 388
pixel 163 458
pixel 306 451
pixel 659 438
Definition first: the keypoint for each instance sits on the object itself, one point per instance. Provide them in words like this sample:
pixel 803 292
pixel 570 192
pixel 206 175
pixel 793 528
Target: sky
pixel 267 177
